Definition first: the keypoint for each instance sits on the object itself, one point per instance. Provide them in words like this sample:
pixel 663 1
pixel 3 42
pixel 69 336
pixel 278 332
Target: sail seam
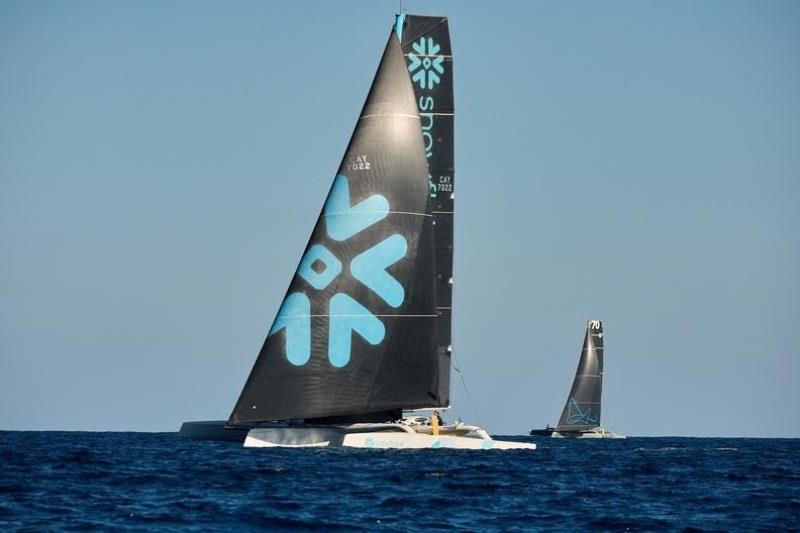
pixel 389 115
pixel 338 213
pixel 429 55
pixel 356 316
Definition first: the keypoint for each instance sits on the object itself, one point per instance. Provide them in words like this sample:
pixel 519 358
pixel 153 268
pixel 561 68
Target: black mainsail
pixel 426 46
pixel 582 410
pixel 363 329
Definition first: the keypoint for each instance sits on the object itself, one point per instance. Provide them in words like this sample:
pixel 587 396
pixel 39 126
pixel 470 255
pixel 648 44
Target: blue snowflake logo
pixel 427 62
pixel 319 267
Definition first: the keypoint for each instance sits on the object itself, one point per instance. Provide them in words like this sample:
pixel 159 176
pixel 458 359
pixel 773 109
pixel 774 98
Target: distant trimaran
pixel 364 331
pixel 581 415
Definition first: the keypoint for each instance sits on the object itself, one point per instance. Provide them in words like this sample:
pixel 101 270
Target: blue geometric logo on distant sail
pixel 319 267
pixel 427 62
pixel 576 416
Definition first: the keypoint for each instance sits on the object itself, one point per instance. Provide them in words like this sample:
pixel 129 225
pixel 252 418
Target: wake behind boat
pixel 364 331
pixel 581 415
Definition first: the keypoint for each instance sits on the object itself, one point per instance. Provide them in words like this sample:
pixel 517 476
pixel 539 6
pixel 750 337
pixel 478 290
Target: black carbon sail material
pixel 426 46
pixel 582 411
pixel 356 332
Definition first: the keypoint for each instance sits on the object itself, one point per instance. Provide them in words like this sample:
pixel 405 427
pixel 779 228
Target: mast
pixel 582 410
pixel 357 333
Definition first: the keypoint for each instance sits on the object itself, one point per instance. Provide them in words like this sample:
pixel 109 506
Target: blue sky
pixel 162 164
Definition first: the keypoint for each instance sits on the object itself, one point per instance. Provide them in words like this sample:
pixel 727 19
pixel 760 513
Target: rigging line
pixel 466 389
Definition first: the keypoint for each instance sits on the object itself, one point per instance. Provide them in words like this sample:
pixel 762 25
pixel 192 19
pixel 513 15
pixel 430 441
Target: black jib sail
pixel 582 411
pixel 356 333
pixel 426 46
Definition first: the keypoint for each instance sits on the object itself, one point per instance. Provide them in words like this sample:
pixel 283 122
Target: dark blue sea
pixel 149 481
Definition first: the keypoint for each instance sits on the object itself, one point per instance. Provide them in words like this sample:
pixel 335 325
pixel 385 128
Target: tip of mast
pixel 399 19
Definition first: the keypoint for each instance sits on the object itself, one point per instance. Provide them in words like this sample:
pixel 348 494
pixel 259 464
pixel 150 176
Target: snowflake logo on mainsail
pixel 319 267
pixel 427 62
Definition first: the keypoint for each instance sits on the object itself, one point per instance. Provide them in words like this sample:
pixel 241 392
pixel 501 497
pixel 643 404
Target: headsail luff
pixel 582 410
pixel 356 333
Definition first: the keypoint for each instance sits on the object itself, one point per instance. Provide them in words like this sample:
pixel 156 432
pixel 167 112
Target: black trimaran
pixel 364 331
pixel 581 415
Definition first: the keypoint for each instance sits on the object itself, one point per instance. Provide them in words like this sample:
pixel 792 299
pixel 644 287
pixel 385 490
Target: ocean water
pixel 145 481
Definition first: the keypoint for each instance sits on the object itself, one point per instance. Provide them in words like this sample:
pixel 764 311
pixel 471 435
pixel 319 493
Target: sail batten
pixel 415 117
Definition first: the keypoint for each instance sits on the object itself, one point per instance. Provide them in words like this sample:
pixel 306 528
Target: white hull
pixel 596 433
pixel 380 436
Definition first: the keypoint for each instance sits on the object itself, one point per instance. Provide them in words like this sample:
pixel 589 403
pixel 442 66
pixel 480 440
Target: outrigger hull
pixel 212 430
pixel 381 436
pixel 596 433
